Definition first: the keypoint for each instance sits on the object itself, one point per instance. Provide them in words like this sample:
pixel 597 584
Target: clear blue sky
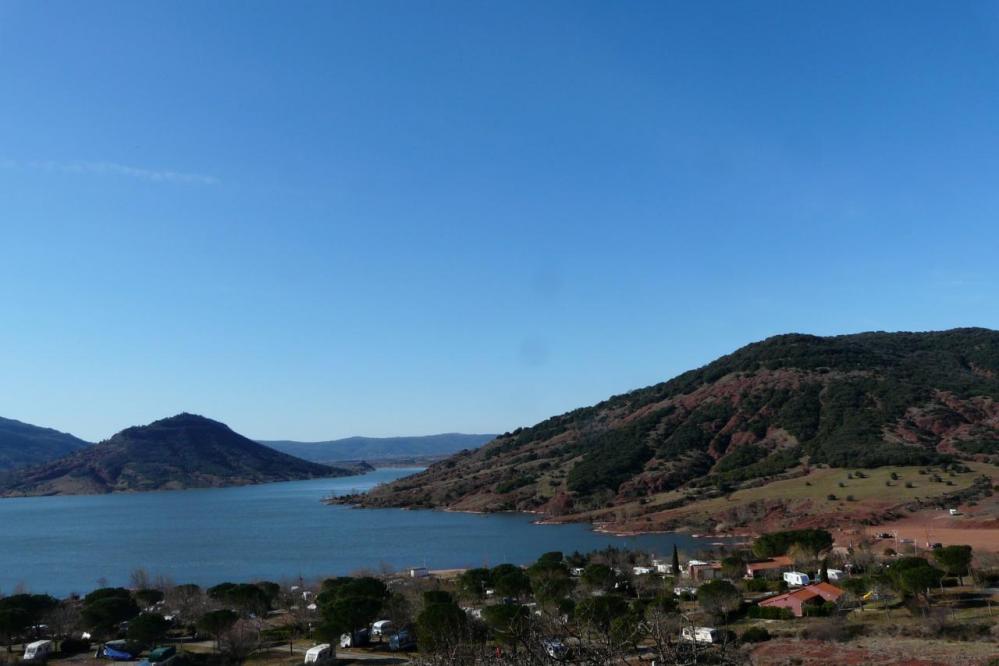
pixel 312 220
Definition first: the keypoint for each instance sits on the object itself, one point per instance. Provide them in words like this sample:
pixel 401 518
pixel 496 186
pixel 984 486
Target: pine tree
pixel 676 562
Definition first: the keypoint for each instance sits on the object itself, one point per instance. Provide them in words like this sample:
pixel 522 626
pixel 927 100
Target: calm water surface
pixel 274 531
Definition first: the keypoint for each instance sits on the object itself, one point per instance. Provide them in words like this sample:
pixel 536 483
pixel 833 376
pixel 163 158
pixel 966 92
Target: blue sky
pixel 313 220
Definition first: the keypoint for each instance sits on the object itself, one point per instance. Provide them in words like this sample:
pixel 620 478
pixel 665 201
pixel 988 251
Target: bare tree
pixel 240 641
pixel 139 579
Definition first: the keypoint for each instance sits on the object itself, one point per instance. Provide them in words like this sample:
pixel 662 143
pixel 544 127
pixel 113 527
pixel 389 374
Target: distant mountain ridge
pixel 183 451
pixel 765 410
pixel 380 448
pixel 23 444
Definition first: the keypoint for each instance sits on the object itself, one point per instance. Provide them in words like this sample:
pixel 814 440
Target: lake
pixel 275 531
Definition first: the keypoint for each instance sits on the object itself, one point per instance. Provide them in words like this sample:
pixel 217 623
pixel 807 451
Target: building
pixel 418 572
pixel 770 568
pixel 701 571
pixel 799 600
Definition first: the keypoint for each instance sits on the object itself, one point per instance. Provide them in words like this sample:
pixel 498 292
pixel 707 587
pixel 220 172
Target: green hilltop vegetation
pixel 864 400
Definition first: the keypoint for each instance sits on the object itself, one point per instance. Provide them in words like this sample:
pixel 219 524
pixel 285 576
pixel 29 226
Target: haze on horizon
pixel 316 220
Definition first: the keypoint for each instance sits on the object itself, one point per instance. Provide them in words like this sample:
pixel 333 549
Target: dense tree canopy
pixel 779 543
pixel 148 628
pixel 349 604
pixel 719 597
pixel 955 560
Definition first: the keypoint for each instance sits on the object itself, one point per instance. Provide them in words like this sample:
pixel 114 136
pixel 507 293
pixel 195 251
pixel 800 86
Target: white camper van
pixel 38 651
pixel 382 628
pixel 700 635
pixel 320 654
pixel 796 578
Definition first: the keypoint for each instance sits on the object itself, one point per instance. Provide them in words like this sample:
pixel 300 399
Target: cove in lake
pixel 276 531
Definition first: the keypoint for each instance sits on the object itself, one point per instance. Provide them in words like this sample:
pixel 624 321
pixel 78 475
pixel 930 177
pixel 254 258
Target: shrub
pixel 823 610
pixel 72 646
pixel 755 635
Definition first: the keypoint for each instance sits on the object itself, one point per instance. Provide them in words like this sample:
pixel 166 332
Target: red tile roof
pixel 772 563
pixel 825 590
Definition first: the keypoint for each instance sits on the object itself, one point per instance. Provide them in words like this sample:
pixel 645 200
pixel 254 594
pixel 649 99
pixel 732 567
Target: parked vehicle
pixel 382 628
pixel 796 578
pixel 834 574
pixel 355 639
pixel 320 654
pixel 701 635
pixel 402 640
pixel 555 648
pixel 162 656
pixel 38 651
pixel 120 650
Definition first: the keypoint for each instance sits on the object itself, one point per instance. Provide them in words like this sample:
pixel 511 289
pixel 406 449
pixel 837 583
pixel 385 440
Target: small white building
pixel 419 572
pixel 576 571
pixel 641 571
pixel 796 578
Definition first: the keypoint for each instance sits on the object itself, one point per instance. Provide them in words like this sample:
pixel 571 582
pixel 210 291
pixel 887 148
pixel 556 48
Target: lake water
pixel 275 531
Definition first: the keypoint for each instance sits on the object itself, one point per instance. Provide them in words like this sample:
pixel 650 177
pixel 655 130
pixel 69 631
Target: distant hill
pixel 380 448
pixel 770 409
pixel 183 451
pixel 23 444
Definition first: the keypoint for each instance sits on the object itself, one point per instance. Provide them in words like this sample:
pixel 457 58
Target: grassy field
pixel 839 495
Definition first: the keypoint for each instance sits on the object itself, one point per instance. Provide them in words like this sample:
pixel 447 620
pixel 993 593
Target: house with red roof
pixel 769 568
pixel 798 600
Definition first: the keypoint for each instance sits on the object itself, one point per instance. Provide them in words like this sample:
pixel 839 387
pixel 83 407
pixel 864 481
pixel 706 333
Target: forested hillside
pixel 23 444
pixel 183 451
pixel 864 400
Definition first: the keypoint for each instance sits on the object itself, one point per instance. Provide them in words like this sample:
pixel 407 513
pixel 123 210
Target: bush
pixel 778 543
pixel 828 630
pixel 761 585
pixel 755 635
pixel 71 646
pixel 825 610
